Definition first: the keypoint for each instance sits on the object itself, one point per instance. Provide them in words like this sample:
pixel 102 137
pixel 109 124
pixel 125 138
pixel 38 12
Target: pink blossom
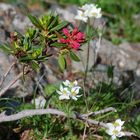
pixel 73 39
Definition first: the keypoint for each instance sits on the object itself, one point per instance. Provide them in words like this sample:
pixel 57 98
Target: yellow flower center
pixel 73 93
pixel 115 132
pixel 116 124
pixel 94 14
pixel 64 92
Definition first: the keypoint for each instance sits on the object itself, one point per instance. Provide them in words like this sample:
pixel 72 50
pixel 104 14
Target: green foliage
pixel 121 26
pixel 103 96
pixel 32 47
pixel 134 125
pixel 62 61
pixel 74 57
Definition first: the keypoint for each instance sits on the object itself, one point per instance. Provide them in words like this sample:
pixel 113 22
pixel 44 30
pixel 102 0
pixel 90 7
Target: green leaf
pixel 26 59
pixel 53 22
pixel 60 26
pixel 35 21
pixel 110 71
pixel 49 89
pixel 62 62
pixel 27 44
pixel 57 44
pixel 35 65
pixel 5 48
pixel 74 56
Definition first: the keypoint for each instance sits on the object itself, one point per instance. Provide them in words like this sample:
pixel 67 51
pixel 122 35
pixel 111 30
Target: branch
pixel 12 83
pixel 77 116
pixel 7 72
pixel 101 124
pixel 29 113
pixel 90 121
pixel 100 112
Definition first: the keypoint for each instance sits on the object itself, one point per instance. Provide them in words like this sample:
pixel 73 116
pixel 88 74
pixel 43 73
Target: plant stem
pixel 87 62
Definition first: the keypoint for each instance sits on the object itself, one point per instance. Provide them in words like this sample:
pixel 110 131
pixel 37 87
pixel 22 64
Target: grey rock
pixel 21 22
pixel 67 14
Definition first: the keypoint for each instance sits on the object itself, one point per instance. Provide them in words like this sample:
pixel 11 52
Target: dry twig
pixel 109 109
pixel 7 72
pixel 77 116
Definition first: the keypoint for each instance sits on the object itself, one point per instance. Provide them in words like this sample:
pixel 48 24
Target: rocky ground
pixel 125 57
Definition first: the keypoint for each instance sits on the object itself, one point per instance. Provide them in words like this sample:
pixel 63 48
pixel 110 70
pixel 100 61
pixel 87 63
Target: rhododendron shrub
pixel 47 37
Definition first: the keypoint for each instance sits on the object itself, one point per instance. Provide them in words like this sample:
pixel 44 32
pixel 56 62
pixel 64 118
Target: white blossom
pixel 71 84
pixel 93 11
pixel 118 123
pixel 88 11
pixel 81 16
pixel 64 93
pixel 115 129
pixel 74 93
pixel 39 102
pixel 69 90
pixel 114 132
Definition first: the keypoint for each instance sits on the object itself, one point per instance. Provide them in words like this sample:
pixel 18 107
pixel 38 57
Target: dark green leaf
pixel 49 89
pixel 27 44
pixel 110 71
pixel 62 62
pixel 35 21
pixel 53 22
pixel 60 26
pixel 5 48
pixel 57 44
pixel 34 65
pixel 74 56
pixel 26 59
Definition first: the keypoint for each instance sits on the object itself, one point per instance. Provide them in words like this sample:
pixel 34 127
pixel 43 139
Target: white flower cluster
pixel 69 90
pixel 39 102
pixel 88 11
pixel 114 129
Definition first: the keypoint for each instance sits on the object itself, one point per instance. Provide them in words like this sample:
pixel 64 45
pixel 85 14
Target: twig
pixel 101 124
pixel 90 121
pixel 12 83
pixel 84 133
pixel 7 72
pixel 32 112
pixel 100 112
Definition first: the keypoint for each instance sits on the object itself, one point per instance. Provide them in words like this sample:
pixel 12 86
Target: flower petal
pixel 120 134
pixel 66 32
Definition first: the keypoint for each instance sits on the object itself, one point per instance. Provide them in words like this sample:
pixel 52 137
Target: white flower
pixel 64 93
pixel 88 11
pixel 114 132
pixel 114 129
pixel 69 90
pixel 39 102
pixel 87 6
pixel 74 93
pixel 81 16
pixel 93 12
pixel 69 84
pixel 118 123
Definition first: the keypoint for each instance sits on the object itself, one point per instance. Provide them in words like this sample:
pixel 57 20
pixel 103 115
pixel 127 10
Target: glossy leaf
pixel 74 56
pixel 57 44
pixel 35 21
pixel 62 62
pixel 60 26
